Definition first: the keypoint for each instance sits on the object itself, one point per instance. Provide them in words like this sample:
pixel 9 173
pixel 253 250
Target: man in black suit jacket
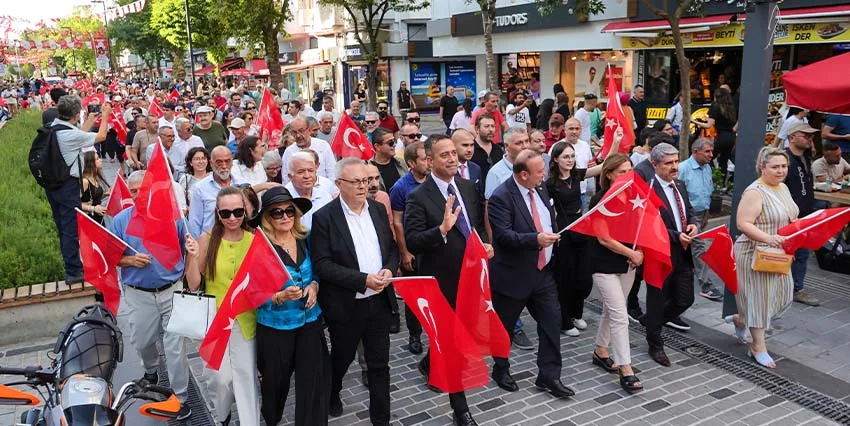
pixel 677 295
pixel 523 223
pixel 465 143
pixel 354 255
pixel 438 217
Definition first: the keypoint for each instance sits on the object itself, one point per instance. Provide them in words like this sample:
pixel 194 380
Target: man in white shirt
pixel 328 105
pixel 292 111
pixel 584 155
pixel 583 116
pixel 168 115
pixel 304 141
pixel 183 143
pixel 302 183
pixel 517 113
pixel 516 140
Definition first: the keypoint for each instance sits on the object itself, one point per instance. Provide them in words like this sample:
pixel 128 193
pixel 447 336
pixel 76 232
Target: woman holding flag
pixel 215 258
pixel 765 207
pixel 289 336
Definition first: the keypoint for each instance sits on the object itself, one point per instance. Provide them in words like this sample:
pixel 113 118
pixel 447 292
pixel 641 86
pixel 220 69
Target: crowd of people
pixel 343 228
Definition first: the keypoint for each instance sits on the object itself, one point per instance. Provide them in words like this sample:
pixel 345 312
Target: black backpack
pixel 47 165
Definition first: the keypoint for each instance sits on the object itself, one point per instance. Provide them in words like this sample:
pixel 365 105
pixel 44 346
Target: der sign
pixel 515 18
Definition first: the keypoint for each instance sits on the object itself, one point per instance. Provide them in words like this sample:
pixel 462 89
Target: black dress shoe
pixel 414 345
pixel 395 324
pixel 658 355
pixel 364 377
pixel 504 380
pixel 335 408
pixel 555 387
pixel 464 419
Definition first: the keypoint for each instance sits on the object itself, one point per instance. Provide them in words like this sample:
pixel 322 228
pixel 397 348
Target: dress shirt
pixel 327 159
pixel 671 198
pixel 154 275
pixel 181 148
pixel 443 186
pixel 319 198
pixel 202 208
pixel 583 158
pixel 253 176
pixel 542 211
pixel 463 169
pixel 498 174
pixel 163 122
pixel 366 244
pixel 699 182
pixel 327 185
pixel 71 142
pixel 170 153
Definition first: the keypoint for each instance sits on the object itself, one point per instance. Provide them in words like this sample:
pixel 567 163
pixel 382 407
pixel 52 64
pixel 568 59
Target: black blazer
pixel 514 267
pixel 678 256
pixel 423 214
pixel 475 177
pixel 335 260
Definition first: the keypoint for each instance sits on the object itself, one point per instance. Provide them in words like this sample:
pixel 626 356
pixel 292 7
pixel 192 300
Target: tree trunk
pixel 271 46
pixel 488 16
pixel 685 77
pixel 372 83
pixel 178 68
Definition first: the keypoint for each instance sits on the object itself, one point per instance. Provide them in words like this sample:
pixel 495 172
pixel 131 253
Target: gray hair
pixel 516 130
pixel 299 156
pixel 271 158
pixel 69 106
pixel 325 114
pixel 764 155
pixel 311 121
pixel 161 128
pixel 136 177
pixel 372 114
pixel 701 143
pixel 662 150
pixel 179 122
pixel 345 162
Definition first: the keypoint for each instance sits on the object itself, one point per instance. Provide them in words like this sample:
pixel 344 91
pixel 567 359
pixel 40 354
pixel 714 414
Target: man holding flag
pixel 148 287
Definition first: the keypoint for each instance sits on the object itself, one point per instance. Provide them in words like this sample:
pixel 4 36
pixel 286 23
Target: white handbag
pixel 191 314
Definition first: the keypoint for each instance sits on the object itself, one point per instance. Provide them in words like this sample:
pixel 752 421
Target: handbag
pixel 191 313
pixel 772 260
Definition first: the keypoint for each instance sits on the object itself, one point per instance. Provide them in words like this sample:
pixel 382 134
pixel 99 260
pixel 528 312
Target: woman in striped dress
pixel 765 207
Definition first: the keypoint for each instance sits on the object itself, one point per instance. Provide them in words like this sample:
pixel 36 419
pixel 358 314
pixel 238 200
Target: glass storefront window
pixel 357 74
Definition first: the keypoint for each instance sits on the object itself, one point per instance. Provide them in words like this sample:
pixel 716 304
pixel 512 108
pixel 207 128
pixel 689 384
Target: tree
pixel 583 9
pixel 134 33
pixel 168 18
pixel 367 18
pixel 673 17
pixel 259 21
pixel 81 59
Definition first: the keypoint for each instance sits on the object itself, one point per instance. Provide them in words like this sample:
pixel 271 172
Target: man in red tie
pixel 523 240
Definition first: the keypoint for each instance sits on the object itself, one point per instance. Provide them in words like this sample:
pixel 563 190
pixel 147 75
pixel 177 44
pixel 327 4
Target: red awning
pixel 228 64
pixel 259 66
pixel 662 24
pixel 821 86
pixel 237 72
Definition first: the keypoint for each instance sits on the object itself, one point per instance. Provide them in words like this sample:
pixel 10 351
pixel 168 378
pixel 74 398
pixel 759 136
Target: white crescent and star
pixel 638 203
pixel 97 250
pixel 347 142
pixel 610 122
pixel 241 287
pixel 484 280
pixel 604 210
pixel 423 304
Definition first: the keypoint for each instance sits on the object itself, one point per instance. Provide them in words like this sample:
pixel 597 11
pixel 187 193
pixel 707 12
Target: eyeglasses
pixel 277 213
pixel 273 169
pixel 225 214
pixel 371 121
pixel 251 107
pixel 414 120
pixel 356 182
pixel 413 136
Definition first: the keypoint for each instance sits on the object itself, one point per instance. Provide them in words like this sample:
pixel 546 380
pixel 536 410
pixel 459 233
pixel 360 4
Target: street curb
pixel 37 317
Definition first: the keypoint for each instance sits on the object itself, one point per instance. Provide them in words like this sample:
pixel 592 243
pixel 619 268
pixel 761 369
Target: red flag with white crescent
pixel 615 117
pixel 349 141
pixel 269 119
pixel 720 256
pixel 174 95
pixel 119 198
pixel 814 230
pixel 100 252
pixel 116 120
pixel 156 109
pixel 259 277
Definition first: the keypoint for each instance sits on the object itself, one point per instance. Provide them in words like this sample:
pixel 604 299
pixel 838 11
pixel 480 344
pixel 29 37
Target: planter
pixel 716 203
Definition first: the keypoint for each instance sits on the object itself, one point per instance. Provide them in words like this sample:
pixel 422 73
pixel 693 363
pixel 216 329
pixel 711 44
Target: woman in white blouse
pixel 248 164
pixel 795 115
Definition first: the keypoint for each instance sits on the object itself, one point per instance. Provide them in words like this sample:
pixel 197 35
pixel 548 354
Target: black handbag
pixel 834 256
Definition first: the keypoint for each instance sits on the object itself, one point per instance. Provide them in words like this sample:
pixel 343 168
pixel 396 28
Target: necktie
pixel 541 256
pixel 463 171
pixel 461 218
pixel 681 207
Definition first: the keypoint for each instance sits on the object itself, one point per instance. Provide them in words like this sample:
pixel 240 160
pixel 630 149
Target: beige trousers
pixel 613 330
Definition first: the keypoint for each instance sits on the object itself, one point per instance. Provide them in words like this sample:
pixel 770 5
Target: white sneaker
pixel 580 323
pixel 572 332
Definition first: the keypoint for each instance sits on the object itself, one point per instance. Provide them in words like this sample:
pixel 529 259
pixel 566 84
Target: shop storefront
pixel 356 69
pixel 429 80
pixel 313 66
pixel 586 72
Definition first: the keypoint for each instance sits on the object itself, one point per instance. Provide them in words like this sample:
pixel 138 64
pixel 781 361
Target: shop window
pixel 516 69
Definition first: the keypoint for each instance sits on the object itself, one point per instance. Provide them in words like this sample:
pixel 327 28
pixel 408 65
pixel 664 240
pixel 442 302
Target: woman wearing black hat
pixel 289 335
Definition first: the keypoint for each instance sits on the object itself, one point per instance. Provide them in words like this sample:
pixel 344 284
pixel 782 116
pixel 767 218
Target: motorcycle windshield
pixel 91 415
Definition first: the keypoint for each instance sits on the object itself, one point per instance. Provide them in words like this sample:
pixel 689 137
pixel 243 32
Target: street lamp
pixel 189 38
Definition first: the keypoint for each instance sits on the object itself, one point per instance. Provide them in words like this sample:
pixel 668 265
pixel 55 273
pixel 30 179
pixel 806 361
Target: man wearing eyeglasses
pixel 387 120
pixel 390 168
pixel 409 133
pixel 303 141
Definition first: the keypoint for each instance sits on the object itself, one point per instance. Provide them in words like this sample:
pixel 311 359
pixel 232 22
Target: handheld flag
pixel 720 256
pixel 100 251
pixel 814 230
pixel 156 109
pixel 615 117
pixel 349 141
pixel 119 198
pixel 269 119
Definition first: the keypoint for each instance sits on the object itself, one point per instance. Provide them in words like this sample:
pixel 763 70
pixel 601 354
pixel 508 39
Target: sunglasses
pixel 277 213
pixel 225 214
pixel 381 109
pixel 413 135
pixel 414 120
pixel 371 121
pixel 251 107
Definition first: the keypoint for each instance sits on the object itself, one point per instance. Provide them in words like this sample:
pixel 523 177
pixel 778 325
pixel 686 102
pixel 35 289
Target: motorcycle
pixel 76 387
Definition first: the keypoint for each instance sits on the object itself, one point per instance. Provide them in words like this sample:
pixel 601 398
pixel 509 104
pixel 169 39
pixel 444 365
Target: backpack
pixel 47 165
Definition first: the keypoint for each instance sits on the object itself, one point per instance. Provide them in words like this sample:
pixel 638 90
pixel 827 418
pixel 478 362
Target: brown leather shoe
pixel 658 355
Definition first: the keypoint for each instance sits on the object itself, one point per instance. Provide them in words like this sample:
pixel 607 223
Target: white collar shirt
pixel 366 244
pixel 542 211
pixel 443 186
pixel 319 198
pixel 669 189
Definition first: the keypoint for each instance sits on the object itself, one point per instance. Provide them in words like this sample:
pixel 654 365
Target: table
pixel 833 197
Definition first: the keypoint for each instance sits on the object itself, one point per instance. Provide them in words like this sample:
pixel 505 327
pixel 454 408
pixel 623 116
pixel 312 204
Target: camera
pixel 94 108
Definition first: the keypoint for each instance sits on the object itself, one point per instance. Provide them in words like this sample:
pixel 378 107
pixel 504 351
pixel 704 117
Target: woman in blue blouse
pixel 289 335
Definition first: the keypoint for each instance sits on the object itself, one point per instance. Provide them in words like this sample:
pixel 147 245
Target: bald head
pixel 573 130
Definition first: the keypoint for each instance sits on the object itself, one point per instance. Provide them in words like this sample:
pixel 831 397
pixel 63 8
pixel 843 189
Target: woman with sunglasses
pixel 289 336
pixel 216 256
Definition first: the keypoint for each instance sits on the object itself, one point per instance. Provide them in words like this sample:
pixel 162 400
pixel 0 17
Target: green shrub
pixel 29 246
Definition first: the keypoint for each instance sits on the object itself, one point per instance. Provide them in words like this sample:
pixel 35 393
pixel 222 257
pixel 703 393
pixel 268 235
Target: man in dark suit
pixel 465 144
pixel 523 239
pixel 677 295
pixel 438 217
pixel 354 255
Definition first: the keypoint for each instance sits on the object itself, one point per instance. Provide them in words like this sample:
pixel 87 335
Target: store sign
pixel 719 7
pixel 656 113
pixel 733 35
pixel 524 17
pixel 288 58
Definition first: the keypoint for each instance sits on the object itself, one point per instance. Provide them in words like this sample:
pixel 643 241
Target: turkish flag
pixel 814 230
pixel 221 103
pixel 269 119
pixel 100 251
pixel 615 117
pixel 88 99
pixel 629 213
pixel 259 277
pixel 155 109
pixel 720 256
pixel 119 198
pixel 475 304
pixel 156 211
pixel 456 361
pixel 174 95
pixel 116 120
pixel 349 141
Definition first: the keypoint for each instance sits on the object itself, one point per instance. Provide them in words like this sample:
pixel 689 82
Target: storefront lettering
pixel 656 113
pixel 355 51
pixel 725 34
pixel 778 97
pixel 512 20
pixel 802 27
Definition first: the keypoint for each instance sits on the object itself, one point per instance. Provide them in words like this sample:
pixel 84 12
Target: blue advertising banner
pixel 426 84
pixel 461 76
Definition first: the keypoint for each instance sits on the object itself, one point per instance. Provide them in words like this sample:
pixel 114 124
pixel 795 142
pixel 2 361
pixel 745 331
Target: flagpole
pixel 107 231
pixel 708 231
pixel 598 205
pixel 643 214
pixel 171 178
pixel 821 222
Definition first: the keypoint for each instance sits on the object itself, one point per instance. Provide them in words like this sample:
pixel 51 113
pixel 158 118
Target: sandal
pixel 762 358
pixel 606 363
pixel 630 384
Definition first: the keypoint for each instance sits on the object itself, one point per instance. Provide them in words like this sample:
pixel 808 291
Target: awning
pixel 618 28
pixel 810 13
pixel 236 72
pixel 228 64
pixel 820 86
pixel 259 66
pixel 301 67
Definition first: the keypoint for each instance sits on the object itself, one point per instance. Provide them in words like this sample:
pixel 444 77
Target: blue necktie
pixel 461 218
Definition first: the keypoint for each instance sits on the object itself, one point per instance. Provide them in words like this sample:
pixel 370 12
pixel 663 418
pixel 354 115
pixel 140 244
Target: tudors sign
pixel 515 18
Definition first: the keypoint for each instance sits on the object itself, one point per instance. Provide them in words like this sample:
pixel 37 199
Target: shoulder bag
pixel 191 313
pixel 770 259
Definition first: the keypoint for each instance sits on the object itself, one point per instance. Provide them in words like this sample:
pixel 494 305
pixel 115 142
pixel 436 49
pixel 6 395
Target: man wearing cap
pixel 800 183
pixel 482 98
pixel 239 130
pixel 584 116
pixel 211 132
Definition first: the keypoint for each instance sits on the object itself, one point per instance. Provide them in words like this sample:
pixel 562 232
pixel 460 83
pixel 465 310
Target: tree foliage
pixel 81 59
pixel 134 33
pixel 168 19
